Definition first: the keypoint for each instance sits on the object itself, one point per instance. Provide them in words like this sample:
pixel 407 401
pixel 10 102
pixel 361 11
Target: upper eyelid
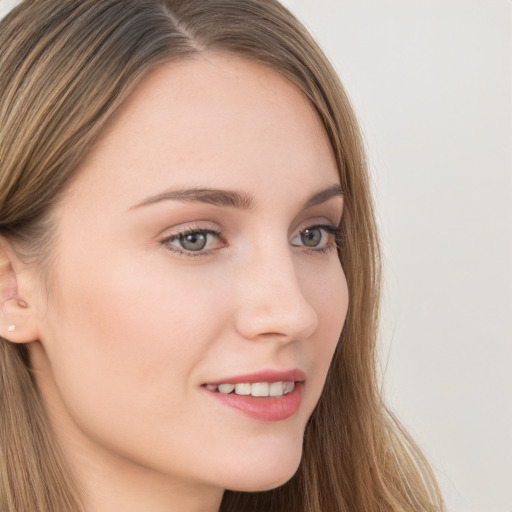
pixel 320 221
pixel 187 231
pixel 207 225
pixel 330 228
pixel 210 228
pixel 192 227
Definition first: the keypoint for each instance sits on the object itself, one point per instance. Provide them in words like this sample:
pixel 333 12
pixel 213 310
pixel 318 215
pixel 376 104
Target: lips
pixel 264 396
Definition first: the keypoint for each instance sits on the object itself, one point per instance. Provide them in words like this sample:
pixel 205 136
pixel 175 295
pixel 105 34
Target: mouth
pixel 266 396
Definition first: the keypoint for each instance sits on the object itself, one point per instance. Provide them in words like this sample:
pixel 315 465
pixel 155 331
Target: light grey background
pixel 431 81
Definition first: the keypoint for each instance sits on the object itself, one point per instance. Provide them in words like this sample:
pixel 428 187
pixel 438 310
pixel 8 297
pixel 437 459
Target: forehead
pixel 214 119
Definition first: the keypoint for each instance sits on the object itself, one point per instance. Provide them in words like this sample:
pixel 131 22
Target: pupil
pixel 311 237
pixel 193 241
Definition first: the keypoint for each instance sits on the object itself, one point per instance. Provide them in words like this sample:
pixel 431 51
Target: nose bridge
pixel 272 302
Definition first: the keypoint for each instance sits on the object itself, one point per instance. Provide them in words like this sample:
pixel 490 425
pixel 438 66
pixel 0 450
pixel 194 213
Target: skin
pixel 132 329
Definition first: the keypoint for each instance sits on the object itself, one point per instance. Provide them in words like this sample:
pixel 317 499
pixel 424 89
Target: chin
pixel 265 475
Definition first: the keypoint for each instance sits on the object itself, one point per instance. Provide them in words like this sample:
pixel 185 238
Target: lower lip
pixel 263 408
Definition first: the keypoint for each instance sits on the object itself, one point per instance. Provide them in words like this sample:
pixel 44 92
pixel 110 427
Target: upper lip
pixel 294 375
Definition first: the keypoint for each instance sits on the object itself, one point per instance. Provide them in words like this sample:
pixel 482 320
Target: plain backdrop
pixel 431 81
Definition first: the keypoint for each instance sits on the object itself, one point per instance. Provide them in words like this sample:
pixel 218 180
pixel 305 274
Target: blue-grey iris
pixel 193 241
pixel 311 237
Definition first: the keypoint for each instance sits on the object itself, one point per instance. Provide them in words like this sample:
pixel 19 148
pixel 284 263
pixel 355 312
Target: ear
pixel 17 320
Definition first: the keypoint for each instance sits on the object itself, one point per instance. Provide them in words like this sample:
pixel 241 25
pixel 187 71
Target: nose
pixel 272 303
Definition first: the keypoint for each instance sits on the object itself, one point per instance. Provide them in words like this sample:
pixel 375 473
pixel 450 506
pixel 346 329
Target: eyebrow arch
pixel 217 197
pixel 323 196
pixel 230 198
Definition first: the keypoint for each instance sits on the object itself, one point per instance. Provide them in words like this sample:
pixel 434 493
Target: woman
pixel 189 268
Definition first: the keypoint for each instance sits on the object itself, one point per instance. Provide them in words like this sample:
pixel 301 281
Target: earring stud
pixel 11 328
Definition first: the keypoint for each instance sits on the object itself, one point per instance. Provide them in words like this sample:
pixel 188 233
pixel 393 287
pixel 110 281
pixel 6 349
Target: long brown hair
pixel 66 66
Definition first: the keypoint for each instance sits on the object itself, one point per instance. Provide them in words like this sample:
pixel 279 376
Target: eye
pixel 319 238
pixel 198 241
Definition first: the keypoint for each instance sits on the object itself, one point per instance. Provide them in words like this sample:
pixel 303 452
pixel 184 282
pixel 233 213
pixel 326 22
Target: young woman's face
pixel 195 251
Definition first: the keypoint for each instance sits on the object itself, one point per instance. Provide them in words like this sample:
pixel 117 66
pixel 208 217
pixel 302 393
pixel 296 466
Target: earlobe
pixel 16 322
pixel 16 316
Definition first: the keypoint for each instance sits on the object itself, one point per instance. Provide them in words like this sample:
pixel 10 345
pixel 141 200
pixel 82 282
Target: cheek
pixel 123 339
pixel 123 349
pixel 137 321
pixel 328 294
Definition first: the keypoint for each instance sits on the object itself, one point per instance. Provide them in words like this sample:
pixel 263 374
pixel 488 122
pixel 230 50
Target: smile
pixel 266 396
pixel 254 389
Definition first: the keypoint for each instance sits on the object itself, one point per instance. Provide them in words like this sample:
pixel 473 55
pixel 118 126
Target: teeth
pixel 260 389
pixel 255 389
pixel 276 389
pixel 225 389
pixel 243 389
pixel 288 387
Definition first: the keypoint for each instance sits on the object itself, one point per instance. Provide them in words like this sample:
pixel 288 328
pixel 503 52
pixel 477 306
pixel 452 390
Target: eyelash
pixel 334 232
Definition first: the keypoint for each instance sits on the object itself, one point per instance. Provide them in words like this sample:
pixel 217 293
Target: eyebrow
pixel 323 196
pixel 217 197
pixel 230 198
